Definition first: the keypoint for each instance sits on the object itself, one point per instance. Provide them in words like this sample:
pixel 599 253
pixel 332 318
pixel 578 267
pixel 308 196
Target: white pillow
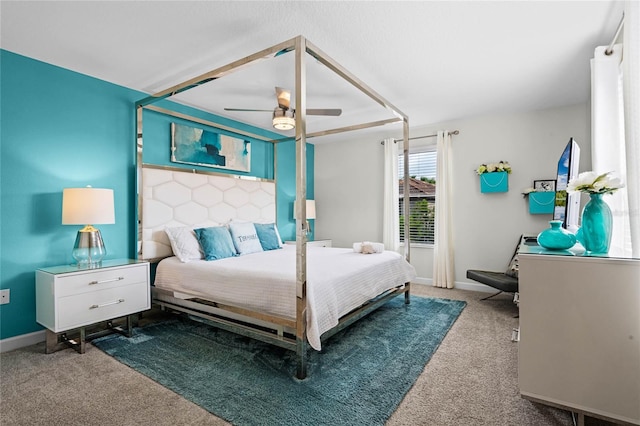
pixel 184 243
pixel 245 238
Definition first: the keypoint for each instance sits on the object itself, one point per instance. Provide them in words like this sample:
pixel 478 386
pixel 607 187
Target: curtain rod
pixel 455 132
pixel 609 49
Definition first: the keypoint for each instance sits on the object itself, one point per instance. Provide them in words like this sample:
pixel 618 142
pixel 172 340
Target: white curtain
pixel 391 213
pixel 615 121
pixel 631 90
pixel 443 260
pixel 608 151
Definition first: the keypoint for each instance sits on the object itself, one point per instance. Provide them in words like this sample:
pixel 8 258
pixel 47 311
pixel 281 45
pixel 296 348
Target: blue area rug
pixel 359 378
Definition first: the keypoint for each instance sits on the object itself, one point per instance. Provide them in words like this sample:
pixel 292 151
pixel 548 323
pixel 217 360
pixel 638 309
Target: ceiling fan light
pixel 283 119
pixel 284 123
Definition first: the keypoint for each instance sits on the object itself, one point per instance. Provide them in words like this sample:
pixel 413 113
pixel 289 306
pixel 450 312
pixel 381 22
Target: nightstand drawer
pixel 320 243
pixel 314 243
pixel 91 307
pixel 91 281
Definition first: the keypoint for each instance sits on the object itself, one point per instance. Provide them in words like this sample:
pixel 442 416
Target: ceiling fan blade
pixel 284 97
pixel 325 111
pixel 250 110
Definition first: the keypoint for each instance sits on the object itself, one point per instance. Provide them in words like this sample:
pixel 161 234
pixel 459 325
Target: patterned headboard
pixel 184 198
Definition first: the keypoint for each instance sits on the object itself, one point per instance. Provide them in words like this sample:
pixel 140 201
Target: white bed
pixel 338 281
pixel 257 295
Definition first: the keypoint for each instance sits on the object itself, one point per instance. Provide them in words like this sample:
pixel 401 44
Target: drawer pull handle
pixel 115 302
pixel 106 281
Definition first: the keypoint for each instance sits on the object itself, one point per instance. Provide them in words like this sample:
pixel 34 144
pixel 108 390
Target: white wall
pixel 348 184
pixel 348 191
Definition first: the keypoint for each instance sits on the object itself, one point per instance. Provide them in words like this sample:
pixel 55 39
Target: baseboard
pixel 17 342
pixel 458 285
pixel 424 281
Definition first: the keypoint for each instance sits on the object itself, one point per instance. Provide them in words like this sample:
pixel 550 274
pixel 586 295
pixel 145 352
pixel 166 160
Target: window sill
pixel 419 245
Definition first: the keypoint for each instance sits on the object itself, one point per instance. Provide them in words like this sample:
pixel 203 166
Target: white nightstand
pixel 314 243
pixel 70 298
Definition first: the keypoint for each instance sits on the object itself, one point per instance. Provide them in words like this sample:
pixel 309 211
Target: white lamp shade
pixel 311 209
pixel 87 206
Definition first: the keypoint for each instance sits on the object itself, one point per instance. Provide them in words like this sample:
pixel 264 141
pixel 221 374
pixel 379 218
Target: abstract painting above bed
pixel 191 145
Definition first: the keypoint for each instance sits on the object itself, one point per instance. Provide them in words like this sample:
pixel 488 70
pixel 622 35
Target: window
pixel 422 190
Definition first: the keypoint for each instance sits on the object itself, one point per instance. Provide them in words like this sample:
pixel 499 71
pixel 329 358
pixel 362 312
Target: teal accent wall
pixel 286 188
pixel 61 129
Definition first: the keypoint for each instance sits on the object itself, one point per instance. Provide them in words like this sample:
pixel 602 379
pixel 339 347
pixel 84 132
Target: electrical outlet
pixel 4 296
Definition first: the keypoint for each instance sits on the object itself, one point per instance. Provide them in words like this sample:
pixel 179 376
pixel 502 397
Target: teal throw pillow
pixel 268 236
pixel 216 242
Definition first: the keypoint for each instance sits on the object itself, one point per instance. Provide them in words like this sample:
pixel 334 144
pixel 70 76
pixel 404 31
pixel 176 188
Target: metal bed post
pixel 301 207
pixel 406 200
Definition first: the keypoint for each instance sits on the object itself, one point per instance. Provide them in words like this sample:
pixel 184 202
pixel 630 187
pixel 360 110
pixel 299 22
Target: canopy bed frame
pixel 278 331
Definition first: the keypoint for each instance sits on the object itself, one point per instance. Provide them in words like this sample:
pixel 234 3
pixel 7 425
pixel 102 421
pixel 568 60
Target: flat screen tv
pixel 567 206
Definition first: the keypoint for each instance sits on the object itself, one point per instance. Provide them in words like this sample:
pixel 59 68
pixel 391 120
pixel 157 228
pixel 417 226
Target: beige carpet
pixel 470 380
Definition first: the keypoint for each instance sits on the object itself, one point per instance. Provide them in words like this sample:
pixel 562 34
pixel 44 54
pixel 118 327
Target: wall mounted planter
pixel 542 202
pixel 494 182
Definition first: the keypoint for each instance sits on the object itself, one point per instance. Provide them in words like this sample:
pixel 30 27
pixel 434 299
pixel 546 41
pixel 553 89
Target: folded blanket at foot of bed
pixel 367 247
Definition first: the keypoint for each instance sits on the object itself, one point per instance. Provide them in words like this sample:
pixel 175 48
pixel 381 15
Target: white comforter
pixel 338 281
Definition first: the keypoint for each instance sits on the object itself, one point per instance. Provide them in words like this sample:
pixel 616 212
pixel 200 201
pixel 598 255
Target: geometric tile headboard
pixel 184 198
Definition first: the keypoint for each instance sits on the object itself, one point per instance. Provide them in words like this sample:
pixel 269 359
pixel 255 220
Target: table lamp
pixel 311 213
pixel 88 206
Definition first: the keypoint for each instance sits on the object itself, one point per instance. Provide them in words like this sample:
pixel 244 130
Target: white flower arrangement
pixel 527 191
pixel 594 183
pixel 501 166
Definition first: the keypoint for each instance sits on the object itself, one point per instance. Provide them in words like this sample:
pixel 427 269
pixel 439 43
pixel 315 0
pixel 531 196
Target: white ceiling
pixel 435 60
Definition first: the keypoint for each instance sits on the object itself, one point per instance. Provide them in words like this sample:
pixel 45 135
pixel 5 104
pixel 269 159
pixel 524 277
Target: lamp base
pixel 89 249
pixel 309 231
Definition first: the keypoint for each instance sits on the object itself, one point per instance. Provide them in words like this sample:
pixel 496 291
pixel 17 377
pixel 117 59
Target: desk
pixel 580 333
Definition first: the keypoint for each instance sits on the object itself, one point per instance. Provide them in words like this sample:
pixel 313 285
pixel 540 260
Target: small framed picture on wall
pixel 548 185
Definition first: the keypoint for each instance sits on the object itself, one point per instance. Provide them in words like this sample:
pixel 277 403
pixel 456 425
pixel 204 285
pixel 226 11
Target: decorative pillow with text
pixel 245 237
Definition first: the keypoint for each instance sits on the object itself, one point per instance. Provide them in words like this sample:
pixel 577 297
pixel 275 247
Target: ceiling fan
pixel 284 115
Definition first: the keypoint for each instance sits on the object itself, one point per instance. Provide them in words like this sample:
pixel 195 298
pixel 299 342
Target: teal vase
pixel 556 237
pixel 596 225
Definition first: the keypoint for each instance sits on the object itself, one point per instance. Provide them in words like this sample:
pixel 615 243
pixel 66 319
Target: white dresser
pixel 580 333
pixel 69 298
